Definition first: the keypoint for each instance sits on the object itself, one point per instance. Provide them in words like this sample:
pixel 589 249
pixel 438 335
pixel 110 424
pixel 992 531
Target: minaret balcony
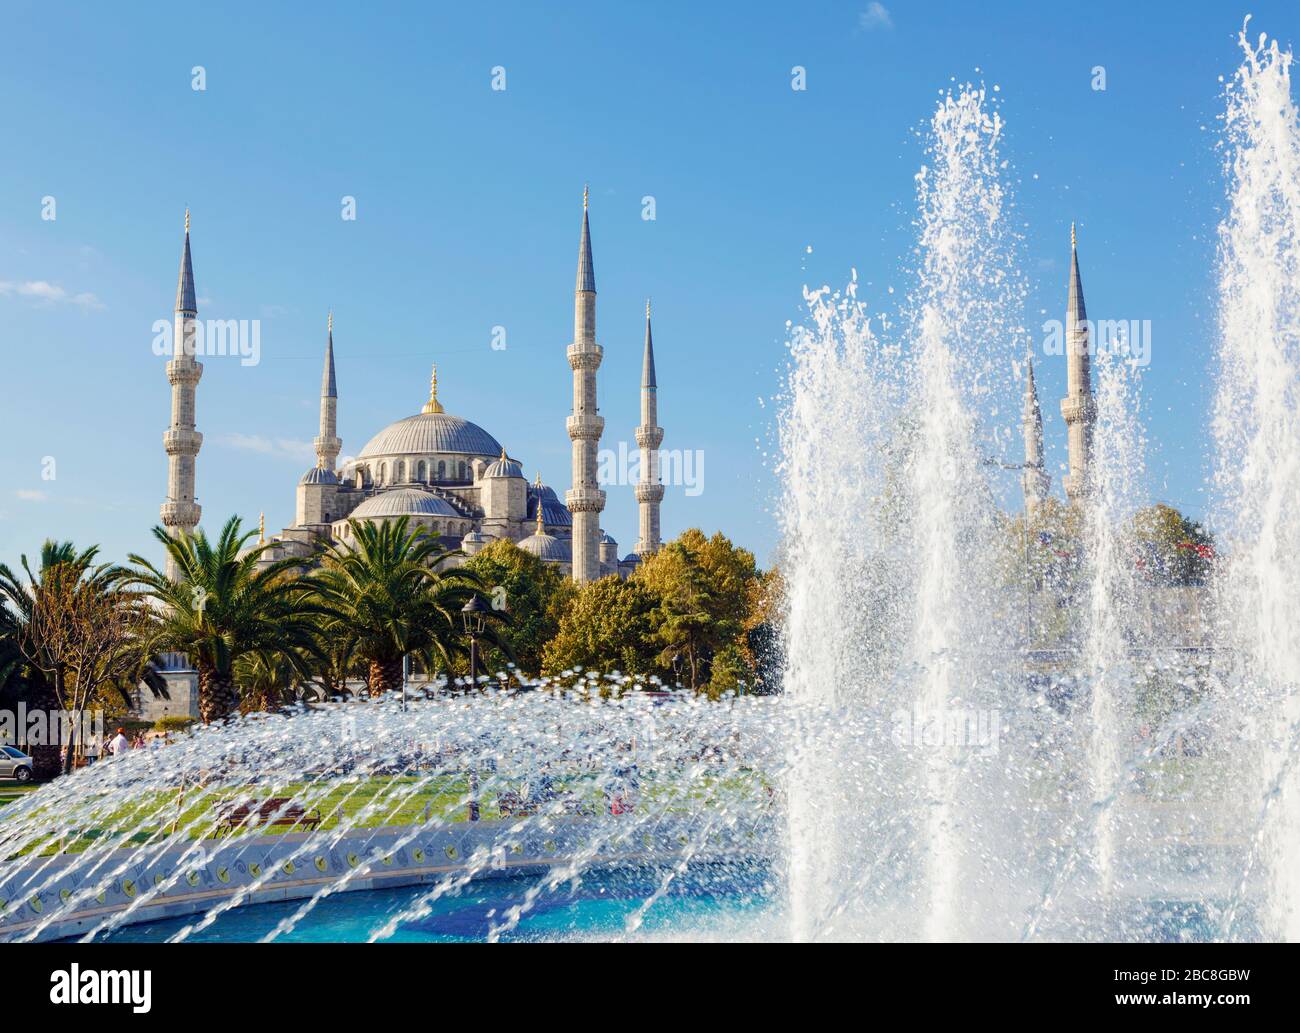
pixel 649 492
pixel 327 446
pixel 1076 410
pixel 649 437
pixel 180 514
pixel 585 427
pixel 584 500
pixel 182 441
pixel 585 355
pixel 184 371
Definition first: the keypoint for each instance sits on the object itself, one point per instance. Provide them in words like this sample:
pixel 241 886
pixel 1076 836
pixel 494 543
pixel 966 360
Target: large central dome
pixel 427 433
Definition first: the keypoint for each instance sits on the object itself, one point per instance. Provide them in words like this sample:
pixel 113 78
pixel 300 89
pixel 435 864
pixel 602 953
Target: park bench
pixel 278 810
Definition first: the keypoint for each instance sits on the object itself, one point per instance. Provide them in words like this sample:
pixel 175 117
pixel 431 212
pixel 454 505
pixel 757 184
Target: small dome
pixel 318 475
pixel 605 539
pixel 504 467
pixel 475 538
pixel 547 547
pixel 632 557
pixel 403 502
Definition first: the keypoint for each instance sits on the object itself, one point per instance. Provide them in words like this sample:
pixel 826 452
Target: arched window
pixel 460 472
pixel 399 471
pixel 442 470
pixel 421 470
pixel 383 474
pixel 361 476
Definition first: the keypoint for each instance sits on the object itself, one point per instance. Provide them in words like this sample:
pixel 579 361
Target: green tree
pixel 703 587
pixel 605 627
pixel 535 595
pixel 1172 549
pixel 221 607
pixel 389 599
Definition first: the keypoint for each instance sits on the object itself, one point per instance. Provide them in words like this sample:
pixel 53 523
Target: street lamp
pixel 474 614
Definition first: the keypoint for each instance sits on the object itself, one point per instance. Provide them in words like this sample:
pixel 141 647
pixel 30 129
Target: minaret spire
pixel 585 499
pixel 1078 407
pixel 649 436
pixel 328 444
pixel 180 513
pixel 1034 479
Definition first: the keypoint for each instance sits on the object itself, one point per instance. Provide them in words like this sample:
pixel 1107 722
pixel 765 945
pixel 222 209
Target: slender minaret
pixel 1034 479
pixel 180 513
pixel 1078 407
pixel 328 444
pixel 585 499
pixel 649 436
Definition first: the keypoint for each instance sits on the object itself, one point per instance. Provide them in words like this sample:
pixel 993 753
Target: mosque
pixel 442 472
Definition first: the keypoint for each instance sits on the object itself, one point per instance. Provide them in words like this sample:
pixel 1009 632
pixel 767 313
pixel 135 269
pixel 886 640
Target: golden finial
pixel 504 457
pixel 1073 240
pixel 541 528
pixel 538 481
pixel 261 528
pixel 187 222
pixel 433 405
pixel 584 197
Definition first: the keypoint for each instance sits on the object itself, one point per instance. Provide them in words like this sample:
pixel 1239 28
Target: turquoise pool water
pixel 705 898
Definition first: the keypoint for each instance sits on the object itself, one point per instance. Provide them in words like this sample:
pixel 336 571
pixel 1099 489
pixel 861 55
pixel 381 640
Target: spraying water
pixel 1257 434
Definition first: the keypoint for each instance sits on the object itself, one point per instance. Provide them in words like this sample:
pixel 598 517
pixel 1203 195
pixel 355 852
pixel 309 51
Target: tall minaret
pixel 327 443
pixel 180 513
pixel 585 499
pixel 1078 406
pixel 649 436
pixel 1034 479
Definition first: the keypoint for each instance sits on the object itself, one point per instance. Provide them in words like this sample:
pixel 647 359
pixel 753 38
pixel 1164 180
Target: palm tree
pixel 390 600
pixel 221 606
pixel 67 631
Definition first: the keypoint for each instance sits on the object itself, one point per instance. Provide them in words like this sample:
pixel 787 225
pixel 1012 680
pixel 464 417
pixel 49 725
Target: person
pixel 119 745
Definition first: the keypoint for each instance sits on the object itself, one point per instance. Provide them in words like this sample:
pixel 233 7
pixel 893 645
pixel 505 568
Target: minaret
pixel 180 513
pixel 1034 479
pixel 649 436
pixel 1078 406
pixel 327 443
pixel 585 499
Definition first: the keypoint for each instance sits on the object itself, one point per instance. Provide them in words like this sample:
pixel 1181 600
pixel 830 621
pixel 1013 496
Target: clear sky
pixel 468 209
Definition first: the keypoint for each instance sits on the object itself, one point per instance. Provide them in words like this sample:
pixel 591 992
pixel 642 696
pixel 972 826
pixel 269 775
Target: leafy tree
pixel 221 607
pixel 606 626
pixel 389 599
pixel 1171 549
pixel 703 591
pixel 534 594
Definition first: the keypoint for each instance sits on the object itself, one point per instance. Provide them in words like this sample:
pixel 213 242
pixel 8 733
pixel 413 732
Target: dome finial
pixel 537 482
pixel 433 405
pixel 503 453
pixel 187 221
pixel 541 528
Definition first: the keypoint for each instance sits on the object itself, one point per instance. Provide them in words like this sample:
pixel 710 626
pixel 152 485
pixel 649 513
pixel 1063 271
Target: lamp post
pixel 474 614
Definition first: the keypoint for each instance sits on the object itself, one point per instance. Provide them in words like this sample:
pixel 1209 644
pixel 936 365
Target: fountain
pixel 965 750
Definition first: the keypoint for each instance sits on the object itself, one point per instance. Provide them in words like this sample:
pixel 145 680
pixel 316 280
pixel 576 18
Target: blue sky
pixel 468 209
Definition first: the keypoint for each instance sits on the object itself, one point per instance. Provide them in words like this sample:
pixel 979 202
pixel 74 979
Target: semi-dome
pixel 547 547
pixel 319 475
pixel 403 502
pixel 428 433
pixel 554 512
